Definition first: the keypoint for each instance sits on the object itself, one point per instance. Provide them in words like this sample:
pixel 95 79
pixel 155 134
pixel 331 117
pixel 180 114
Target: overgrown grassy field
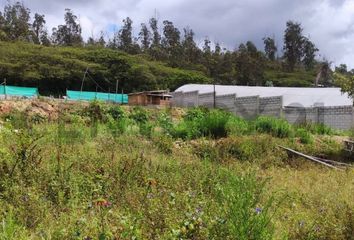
pixel 110 172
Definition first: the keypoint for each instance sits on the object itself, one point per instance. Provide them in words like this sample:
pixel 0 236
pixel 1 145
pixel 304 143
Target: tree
pixel 346 83
pixel 39 31
pixel 16 22
pixel 171 43
pixel 324 74
pixel 126 36
pixel 156 51
pixel 269 48
pixel 156 37
pixel 249 65
pixel 309 53
pixel 70 33
pixel 191 51
pixel 342 69
pixel 145 37
pixel 293 41
pixel 3 34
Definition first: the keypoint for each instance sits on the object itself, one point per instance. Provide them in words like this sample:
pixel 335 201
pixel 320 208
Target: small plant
pixel 116 112
pixel 304 136
pixel 243 213
pixel 139 115
pixel 237 126
pixel 277 127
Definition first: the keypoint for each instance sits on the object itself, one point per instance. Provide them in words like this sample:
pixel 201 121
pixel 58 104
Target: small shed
pixel 158 97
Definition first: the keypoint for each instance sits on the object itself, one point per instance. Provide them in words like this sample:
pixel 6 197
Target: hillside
pixel 55 69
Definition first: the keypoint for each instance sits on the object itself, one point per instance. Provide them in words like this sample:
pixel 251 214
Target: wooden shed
pixel 158 97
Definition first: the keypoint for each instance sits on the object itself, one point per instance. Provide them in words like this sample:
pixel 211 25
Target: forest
pixel 161 56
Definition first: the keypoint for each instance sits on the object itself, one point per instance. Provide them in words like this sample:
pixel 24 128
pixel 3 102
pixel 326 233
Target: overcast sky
pixel 328 23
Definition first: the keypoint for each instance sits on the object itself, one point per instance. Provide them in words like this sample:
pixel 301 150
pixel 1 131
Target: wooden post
pixel 82 83
pixel 5 88
pixel 115 97
pixel 214 95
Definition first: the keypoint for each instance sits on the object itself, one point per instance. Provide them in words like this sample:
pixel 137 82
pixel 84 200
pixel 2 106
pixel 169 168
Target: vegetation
pixel 156 59
pixel 109 172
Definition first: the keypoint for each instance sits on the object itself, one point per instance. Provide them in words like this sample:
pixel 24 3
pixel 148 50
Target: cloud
pixel 329 23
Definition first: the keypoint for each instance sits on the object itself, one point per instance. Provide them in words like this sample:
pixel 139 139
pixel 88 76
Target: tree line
pixel 245 65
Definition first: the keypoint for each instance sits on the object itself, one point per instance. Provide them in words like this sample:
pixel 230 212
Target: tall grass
pixel 277 127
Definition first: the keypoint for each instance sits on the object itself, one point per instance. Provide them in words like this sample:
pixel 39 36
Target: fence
pixel 90 96
pixel 338 117
pixel 18 91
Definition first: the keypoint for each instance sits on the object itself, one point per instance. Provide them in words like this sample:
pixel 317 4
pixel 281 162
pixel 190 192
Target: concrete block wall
pixel 271 106
pixel 340 117
pixel 206 100
pixel 312 115
pixel 226 102
pixel 190 99
pixel 177 99
pixel 247 107
pixel 294 115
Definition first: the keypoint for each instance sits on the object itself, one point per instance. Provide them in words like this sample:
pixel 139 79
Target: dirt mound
pixel 47 109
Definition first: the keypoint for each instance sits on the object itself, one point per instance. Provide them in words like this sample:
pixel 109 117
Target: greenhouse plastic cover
pixel 90 96
pixel 292 96
pixel 18 91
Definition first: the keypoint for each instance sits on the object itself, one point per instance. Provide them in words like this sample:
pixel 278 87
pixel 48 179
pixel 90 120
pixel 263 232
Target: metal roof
pixel 292 96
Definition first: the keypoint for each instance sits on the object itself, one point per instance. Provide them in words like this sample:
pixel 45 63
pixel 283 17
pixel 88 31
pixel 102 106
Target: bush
pixel 236 126
pixel 201 123
pixel 95 111
pixel 304 135
pixel 117 126
pixel 116 112
pixel 214 124
pixel 194 114
pixel 277 127
pixel 139 115
pixel 320 129
pixel 165 122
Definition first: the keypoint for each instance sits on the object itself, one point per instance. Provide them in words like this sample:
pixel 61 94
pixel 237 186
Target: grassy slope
pixel 159 188
pixel 299 78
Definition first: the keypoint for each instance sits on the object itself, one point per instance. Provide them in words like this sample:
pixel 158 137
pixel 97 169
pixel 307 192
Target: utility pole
pixel 5 88
pixel 115 97
pixel 82 83
pixel 214 95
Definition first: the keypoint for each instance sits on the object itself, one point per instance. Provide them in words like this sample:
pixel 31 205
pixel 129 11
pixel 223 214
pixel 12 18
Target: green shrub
pixel 320 129
pixel 146 129
pixel 95 111
pixel 116 112
pixel 277 127
pixel 117 126
pixel 201 123
pixel 165 122
pixel 304 136
pixel 139 115
pixel 214 124
pixel 194 114
pixel 236 126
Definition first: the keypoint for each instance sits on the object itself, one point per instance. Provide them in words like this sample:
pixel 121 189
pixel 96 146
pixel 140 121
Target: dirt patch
pixel 44 108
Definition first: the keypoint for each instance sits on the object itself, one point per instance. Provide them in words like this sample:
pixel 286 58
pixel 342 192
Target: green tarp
pixel 90 96
pixel 18 91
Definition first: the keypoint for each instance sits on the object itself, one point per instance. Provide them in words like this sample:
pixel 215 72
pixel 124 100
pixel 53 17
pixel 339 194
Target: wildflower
pixel 302 223
pixel 102 203
pixel 258 210
pixel 152 182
